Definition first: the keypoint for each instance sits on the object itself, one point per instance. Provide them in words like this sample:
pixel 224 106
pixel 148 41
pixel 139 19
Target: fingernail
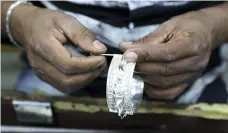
pixel 130 56
pixel 98 45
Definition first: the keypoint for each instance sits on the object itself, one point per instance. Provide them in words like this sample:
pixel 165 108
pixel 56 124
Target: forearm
pixel 217 19
pixel 4 8
pixel 17 17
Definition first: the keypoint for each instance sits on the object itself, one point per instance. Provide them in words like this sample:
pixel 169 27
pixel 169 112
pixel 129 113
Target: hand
pixel 173 55
pixel 43 33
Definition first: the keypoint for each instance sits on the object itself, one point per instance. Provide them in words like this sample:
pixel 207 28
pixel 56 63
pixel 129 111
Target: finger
pixel 81 36
pixel 123 46
pixel 42 76
pixel 157 37
pixel 168 81
pixel 63 82
pixel 191 64
pixel 166 94
pixel 166 52
pixel 53 51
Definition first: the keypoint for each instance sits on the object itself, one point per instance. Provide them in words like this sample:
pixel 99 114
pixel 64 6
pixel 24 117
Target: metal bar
pixel 107 54
pixel 25 129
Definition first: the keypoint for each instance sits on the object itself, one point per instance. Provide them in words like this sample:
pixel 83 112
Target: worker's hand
pixel 43 33
pixel 173 55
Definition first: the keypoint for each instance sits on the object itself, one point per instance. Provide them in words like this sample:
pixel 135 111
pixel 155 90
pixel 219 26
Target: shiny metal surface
pixel 123 91
pixel 33 112
pixel 24 129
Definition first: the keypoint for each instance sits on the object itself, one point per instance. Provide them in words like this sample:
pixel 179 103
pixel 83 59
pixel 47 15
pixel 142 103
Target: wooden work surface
pixel 90 113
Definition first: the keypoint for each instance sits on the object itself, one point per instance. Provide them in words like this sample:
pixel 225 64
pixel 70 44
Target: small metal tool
pixel 107 54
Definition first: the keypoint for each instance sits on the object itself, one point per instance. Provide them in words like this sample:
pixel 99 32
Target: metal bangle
pixel 124 91
pixel 8 15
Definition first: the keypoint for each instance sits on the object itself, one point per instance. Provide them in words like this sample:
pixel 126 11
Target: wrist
pixel 17 21
pixel 216 19
pixel 4 8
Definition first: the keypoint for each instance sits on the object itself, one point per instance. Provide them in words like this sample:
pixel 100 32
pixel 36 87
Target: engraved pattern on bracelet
pixel 124 92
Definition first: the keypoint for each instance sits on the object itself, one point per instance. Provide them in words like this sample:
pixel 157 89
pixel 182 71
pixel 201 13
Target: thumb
pixel 83 38
pixel 156 37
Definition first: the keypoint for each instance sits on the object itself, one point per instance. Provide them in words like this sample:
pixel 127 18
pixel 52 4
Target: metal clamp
pixel 33 112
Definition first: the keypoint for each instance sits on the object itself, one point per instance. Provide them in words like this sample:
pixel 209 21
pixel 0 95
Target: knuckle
pixel 63 67
pixel 139 67
pixel 66 82
pixel 201 65
pixel 71 84
pixel 171 95
pixel 66 18
pixel 166 70
pixel 196 49
pixel 146 55
pixel 166 82
pixel 169 55
pixel 88 79
pixel 32 61
pixel 29 42
pixel 66 89
pixel 53 33
pixel 66 23
pixel 84 81
pixel 63 25
pixel 36 47
pixel 66 67
pixel 84 32
pixel 74 36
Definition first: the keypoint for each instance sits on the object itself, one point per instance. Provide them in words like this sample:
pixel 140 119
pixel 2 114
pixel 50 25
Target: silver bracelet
pixel 8 15
pixel 123 91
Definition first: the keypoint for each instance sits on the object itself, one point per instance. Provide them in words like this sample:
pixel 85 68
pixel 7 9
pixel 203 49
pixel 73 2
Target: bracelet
pixel 123 90
pixel 8 15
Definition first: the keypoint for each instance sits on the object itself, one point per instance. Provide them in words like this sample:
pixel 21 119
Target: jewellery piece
pixel 8 15
pixel 124 91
